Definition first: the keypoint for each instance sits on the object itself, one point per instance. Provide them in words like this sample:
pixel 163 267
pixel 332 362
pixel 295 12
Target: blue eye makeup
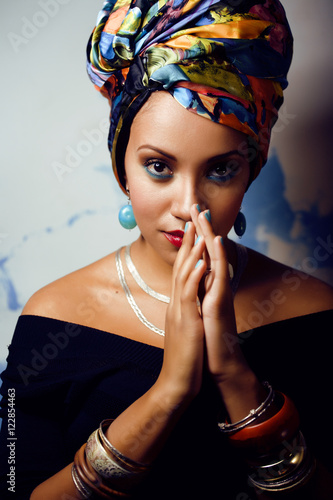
pixel 157 169
pixel 223 172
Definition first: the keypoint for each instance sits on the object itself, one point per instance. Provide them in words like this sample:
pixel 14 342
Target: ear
pixel 126 184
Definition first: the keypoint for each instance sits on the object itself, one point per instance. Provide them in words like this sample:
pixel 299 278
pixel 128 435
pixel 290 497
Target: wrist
pixel 172 396
pixel 240 391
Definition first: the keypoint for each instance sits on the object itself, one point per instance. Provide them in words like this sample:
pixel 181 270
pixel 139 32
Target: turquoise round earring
pixel 240 224
pixel 126 215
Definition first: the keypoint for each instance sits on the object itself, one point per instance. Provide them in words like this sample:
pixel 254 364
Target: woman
pixel 151 344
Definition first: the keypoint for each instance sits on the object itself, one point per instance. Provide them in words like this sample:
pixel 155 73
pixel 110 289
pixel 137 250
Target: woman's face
pixel 175 159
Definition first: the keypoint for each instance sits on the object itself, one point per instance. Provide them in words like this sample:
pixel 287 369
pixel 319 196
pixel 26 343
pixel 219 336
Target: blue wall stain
pixel 72 220
pixel 6 282
pixel 265 205
pixel 13 303
pixel 104 169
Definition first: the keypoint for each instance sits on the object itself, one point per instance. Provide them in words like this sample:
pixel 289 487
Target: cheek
pixel 142 199
pixel 224 212
pixel 225 202
pixel 146 204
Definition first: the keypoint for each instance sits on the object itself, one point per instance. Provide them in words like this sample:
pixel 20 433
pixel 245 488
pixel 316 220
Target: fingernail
pixel 197 240
pixel 199 209
pixel 208 216
pixel 186 227
pixel 198 263
pixel 222 242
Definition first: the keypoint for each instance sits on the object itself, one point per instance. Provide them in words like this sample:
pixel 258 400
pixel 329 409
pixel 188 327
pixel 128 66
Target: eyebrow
pixel 225 155
pixel 209 160
pixel 163 153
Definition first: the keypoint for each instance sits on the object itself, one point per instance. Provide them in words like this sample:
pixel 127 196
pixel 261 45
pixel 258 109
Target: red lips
pixel 175 237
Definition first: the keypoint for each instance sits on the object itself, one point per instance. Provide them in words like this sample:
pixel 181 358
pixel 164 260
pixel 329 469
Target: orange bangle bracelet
pixel 271 433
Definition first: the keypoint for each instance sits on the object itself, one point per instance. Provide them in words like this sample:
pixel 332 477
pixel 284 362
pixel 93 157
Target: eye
pixel 158 169
pixel 223 172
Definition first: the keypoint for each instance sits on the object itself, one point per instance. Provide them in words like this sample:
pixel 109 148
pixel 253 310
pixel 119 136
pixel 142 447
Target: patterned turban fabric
pixel 224 60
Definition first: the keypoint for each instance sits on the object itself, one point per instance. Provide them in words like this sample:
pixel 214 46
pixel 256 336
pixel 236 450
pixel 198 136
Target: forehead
pixel 162 120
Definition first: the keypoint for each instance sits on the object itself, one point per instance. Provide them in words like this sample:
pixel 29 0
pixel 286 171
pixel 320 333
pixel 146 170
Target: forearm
pixel 57 486
pixel 139 433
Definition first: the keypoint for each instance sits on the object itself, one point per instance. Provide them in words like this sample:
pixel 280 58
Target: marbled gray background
pixel 59 201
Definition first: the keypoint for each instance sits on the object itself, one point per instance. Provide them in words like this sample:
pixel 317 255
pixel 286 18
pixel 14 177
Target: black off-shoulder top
pixel 63 379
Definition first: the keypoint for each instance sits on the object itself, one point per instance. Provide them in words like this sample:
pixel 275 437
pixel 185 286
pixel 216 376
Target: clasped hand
pixel 200 336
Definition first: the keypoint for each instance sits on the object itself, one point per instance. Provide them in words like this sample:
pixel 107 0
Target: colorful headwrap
pixel 224 60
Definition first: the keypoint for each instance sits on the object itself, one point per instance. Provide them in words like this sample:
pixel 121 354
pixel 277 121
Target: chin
pixel 160 246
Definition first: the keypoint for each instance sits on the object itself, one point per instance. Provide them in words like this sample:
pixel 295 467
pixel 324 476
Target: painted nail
pixel 222 242
pixel 208 216
pixel 199 209
pixel 186 227
pixel 198 263
pixel 197 240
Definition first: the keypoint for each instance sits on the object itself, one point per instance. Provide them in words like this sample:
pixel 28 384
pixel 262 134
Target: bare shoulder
pixel 280 291
pixel 67 296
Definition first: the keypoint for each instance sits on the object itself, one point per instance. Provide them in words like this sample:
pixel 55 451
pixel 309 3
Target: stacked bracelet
pixel 101 471
pixel 128 463
pixel 275 449
pixel 109 463
pixel 88 482
pixel 80 485
pixel 288 470
pixel 252 416
pixel 263 437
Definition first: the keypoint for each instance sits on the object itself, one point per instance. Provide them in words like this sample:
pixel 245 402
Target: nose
pixel 185 194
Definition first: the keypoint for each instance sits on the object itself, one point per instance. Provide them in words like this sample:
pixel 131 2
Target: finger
pixel 196 214
pixel 192 258
pixel 195 210
pixel 216 281
pixel 221 264
pixel 191 287
pixel 191 254
pixel 187 245
pixel 205 228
